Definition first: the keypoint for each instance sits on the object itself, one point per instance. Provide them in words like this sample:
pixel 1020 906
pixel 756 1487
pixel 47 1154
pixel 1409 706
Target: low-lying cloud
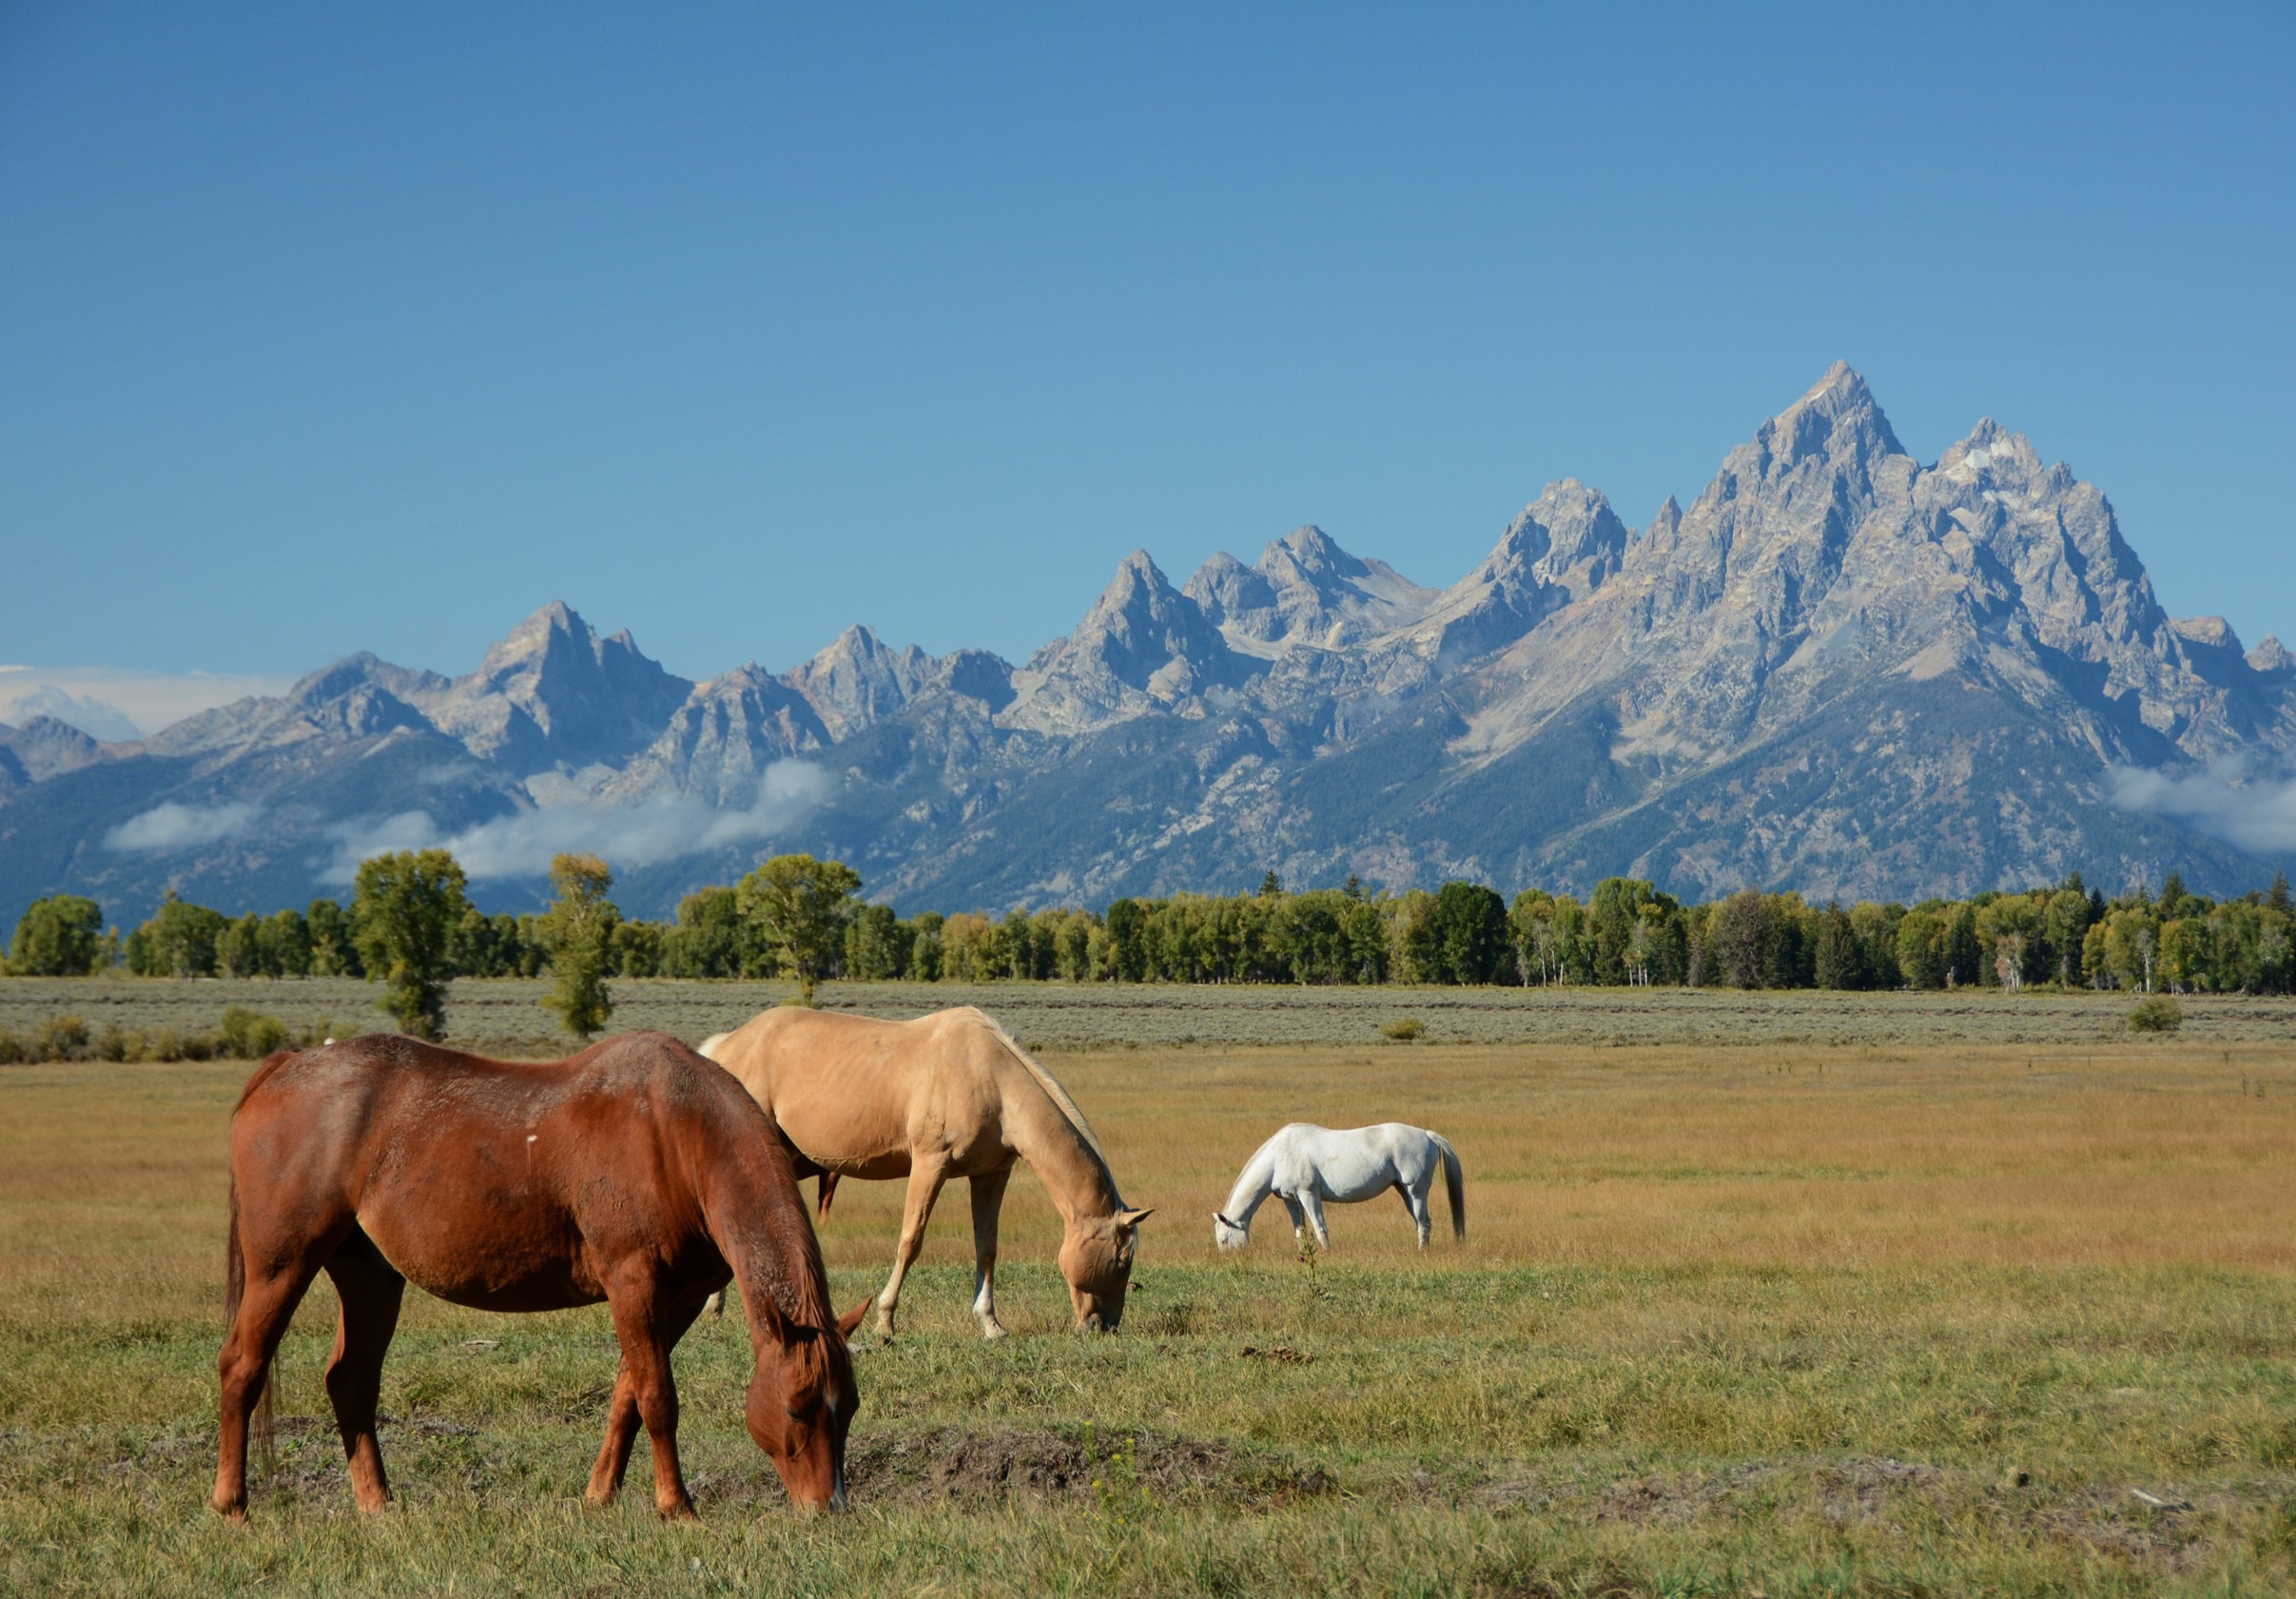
pixel 170 826
pixel 2255 814
pixel 625 835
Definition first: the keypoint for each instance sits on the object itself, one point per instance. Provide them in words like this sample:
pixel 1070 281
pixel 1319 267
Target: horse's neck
pixel 1074 1178
pixel 765 1244
pixel 1251 1189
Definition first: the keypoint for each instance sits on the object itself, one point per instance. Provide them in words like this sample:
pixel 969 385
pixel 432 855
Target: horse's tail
pixel 235 1289
pixel 1455 1182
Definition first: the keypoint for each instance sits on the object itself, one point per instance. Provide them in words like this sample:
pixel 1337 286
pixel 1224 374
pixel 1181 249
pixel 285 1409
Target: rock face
pixel 1839 669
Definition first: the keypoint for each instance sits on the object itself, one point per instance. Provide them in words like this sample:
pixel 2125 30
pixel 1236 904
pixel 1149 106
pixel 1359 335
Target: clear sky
pixel 336 326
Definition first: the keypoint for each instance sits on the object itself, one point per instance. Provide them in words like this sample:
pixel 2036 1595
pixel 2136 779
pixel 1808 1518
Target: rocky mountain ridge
pixel 1839 669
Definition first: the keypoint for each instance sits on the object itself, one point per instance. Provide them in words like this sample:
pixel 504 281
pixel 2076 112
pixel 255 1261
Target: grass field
pixel 1892 1317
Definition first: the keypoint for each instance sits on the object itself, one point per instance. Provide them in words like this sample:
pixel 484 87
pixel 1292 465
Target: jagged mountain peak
pixel 1837 415
pixel 551 693
pixel 1144 645
pixel 1306 590
pixel 858 680
pixel 2271 656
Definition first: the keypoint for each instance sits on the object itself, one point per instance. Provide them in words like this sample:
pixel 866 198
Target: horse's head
pixel 802 1400
pixel 1229 1236
pixel 1096 1260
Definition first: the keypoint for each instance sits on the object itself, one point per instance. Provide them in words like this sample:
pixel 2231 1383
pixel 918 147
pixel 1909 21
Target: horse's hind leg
pixel 266 1306
pixel 370 1291
pixel 1414 1201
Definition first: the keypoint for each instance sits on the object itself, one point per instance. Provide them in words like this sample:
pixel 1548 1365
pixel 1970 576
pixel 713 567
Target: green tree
pixel 405 908
pixel 1840 960
pixel 578 931
pixel 1128 940
pixel 877 945
pixel 801 905
pixel 179 941
pixel 333 953
pixel 1470 925
pixel 60 936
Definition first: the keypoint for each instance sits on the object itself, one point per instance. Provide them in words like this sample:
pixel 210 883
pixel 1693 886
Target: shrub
pixel 61 1038
pixel 1403 1029
pixel 248 1035
pixel 2159 1014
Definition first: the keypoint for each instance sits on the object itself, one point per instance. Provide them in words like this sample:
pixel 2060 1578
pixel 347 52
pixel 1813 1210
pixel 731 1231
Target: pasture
pixel 1910 1306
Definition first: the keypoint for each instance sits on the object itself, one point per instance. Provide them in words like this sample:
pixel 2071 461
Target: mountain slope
pixel 1839 669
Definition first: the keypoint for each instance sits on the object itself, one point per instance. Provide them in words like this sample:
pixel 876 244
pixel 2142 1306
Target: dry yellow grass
pixel 1786 1157
pixel 1784 1313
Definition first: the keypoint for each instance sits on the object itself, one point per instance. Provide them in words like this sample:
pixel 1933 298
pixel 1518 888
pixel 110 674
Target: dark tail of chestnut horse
pixel 235 1288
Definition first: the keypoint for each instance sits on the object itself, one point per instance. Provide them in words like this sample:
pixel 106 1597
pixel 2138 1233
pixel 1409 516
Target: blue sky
pixel 331 327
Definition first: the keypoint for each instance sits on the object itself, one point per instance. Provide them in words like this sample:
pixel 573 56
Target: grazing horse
pixel 636 1173
pixel 947 1095
pixel 1304 1164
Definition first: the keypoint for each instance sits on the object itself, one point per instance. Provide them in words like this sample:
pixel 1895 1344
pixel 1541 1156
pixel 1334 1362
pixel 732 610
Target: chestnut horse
pixel 636 1173
pixel 947 1095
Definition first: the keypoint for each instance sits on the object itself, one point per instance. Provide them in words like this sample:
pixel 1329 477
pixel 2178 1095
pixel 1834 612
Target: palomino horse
pixel 636 1173
pixel 947 1095
pixel 1304 1164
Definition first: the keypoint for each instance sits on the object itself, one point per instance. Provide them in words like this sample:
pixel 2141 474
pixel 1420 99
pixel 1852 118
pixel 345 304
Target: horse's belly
pixel 514 1270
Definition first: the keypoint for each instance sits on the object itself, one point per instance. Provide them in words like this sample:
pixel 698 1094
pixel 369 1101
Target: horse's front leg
pixel 1300 1216
pixel 1312 1202
pixel 988 1201
pixel 927 1174
pixel 648 1327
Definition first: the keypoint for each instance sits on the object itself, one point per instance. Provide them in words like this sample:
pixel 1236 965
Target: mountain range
pixel 1838 671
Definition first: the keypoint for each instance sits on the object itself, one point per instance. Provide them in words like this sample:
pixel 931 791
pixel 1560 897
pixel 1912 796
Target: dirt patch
pixel 1840 1491
pixel 1283 1355
pixel 958 1466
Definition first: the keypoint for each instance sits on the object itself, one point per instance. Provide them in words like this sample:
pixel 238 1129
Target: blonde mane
pixel 1053 1090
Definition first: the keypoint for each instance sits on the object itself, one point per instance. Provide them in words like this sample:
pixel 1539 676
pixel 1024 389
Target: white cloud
pixel 2257 815
pixel 181 827
pixel 143 702
pixel 625 835
pixel 96 718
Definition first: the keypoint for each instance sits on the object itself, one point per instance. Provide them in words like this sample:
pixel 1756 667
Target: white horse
pixel 1304 1164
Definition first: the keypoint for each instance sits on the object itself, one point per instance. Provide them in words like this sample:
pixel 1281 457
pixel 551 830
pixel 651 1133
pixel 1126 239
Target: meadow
pixel 1929 1300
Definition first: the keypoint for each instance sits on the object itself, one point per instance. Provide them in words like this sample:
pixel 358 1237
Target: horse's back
pixel 476 1177
pixel 855 1092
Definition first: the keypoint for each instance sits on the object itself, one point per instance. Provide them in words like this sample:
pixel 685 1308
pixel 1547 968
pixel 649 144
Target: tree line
pixel 410 925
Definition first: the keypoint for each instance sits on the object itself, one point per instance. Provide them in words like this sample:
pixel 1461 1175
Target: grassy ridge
pixel 1799 1317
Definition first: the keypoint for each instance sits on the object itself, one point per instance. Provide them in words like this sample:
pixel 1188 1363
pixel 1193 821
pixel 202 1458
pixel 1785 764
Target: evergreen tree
pixel 1839 962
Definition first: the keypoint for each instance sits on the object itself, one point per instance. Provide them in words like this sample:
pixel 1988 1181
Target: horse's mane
pixel 1053 1090
pixel 256 1080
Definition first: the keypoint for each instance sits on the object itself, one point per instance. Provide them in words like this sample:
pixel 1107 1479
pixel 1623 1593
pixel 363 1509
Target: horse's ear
pixel 851 1318
pixel 1133 1218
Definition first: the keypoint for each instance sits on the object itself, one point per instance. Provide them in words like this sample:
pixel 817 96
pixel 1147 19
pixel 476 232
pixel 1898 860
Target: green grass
pixel 1918 1323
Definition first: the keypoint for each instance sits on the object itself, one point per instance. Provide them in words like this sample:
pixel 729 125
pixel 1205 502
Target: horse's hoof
pixel 993 1331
